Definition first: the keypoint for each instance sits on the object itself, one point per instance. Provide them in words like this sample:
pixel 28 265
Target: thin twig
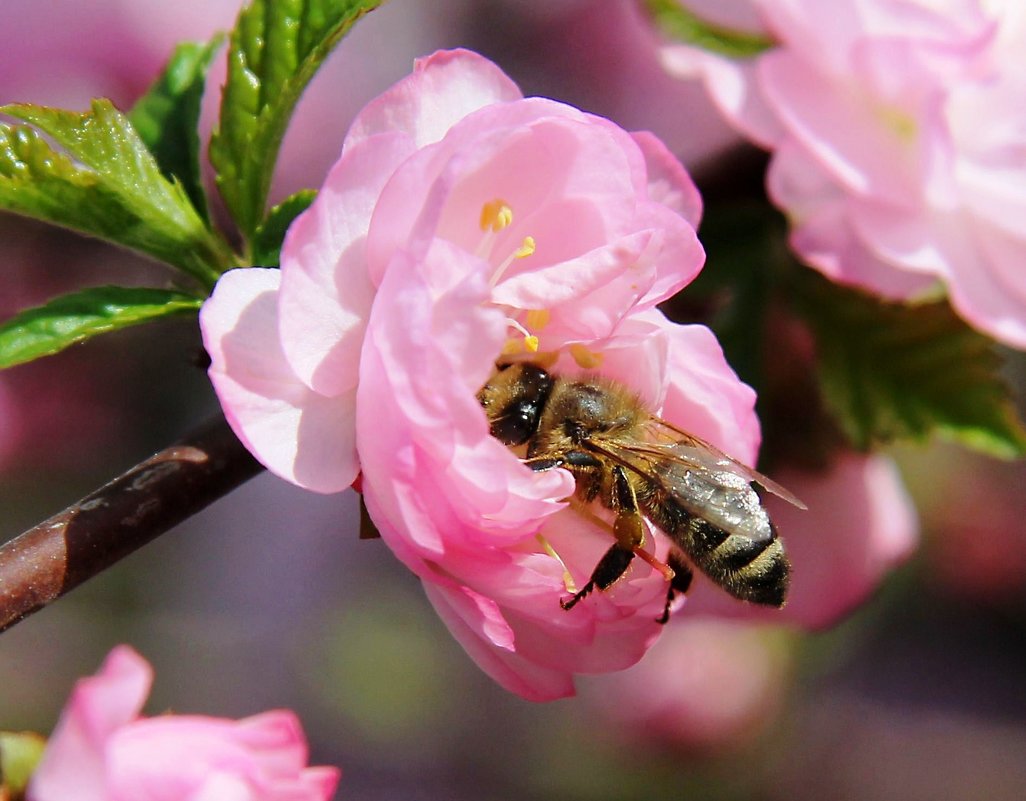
pixel 56 556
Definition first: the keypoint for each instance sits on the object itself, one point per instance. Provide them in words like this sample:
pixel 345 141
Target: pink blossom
pixel 463 222
pixel 972 506
pixel 709 685
pixel 898 136
pixel 102 750
pixel 860 524
pixel 714 683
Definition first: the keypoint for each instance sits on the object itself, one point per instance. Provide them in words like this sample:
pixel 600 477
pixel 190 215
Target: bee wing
pixel 678 444
pixel 698 483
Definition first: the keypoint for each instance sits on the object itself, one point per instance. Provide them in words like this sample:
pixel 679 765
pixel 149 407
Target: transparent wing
pixel 673 443
pixel 700 479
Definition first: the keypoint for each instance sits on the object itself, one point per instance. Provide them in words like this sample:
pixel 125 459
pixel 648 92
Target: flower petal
pixel 443 89
pixel 326 292
pixel 465 615
pixel 74 763
pixel 298 434
pixel 668 182
pixel 705 396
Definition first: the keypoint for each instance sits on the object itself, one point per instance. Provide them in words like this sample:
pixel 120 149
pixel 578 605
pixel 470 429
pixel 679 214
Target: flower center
pixel 899 122
pixel 496 216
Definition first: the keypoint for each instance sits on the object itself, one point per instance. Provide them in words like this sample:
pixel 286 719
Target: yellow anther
pixel 537 319
pixel 530 341
pixel 585 358
pixel 900 122
pixel 513 347
pixel 496 215
pixel 526 249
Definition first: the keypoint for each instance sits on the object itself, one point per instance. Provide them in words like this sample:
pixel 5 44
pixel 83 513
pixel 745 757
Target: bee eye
pixel 517 423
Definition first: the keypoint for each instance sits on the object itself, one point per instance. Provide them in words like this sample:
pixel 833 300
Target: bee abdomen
pixel 756 571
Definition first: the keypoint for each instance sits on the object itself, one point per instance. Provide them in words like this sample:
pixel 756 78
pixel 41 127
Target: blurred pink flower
pixel 860 524
pixel 972 509
pixel 712 683
pixel 898 133
pixel 102 750
pixel 709 685
pixel 463 222
pixel 108 48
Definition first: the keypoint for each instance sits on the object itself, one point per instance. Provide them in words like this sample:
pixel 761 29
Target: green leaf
pixel 276 48
pixel 20 752
pixel 112 189
pixel 167 116
pixel 891 370
pixel 688 27
pixel 732 293
pixel 63 321
pixel 268 237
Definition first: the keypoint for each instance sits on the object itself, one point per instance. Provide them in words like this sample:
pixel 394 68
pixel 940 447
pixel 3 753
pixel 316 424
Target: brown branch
pixel 56 556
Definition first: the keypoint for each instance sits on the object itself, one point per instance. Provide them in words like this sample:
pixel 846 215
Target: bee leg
pixel 629 525
pixel 607 571
pixel 679 584
pixel 569 460
pixel 629 530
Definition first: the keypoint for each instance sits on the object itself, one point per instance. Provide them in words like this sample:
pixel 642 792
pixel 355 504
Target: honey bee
pixel 639 466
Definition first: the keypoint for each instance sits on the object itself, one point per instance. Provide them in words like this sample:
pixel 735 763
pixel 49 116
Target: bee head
pixel 513 400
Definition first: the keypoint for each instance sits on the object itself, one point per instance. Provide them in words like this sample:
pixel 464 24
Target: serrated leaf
pixel 890 370
pixel 107 185
pixel 167 116
pixel 269 236
pixel 274 51
pixel 682 25
pixel 68 319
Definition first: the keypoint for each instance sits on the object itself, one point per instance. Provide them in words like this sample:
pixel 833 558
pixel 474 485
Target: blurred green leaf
pixel 268 237
pixel 274 51
pixel 112 189
pixel 20 752
pixel 687 27
pixel 732 294
pixel 891 370
pixel 167 116
pixel 63 321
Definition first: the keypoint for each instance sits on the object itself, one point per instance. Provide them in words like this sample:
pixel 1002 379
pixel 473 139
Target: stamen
pixel 496 215
pixel 586 359
pixel 568 580
pixel 661 567
pixel 530 340
pixel 525 250
pixel 582 509
pixel 900 122
pixel 538 318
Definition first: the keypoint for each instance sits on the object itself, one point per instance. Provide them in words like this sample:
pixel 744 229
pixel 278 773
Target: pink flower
pixel 102 750
pixel 709 685
pixel 712 683
pixel 860 524
pixel 898 133
pixel 463 222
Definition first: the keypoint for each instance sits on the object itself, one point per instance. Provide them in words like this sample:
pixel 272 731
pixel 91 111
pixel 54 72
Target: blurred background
pixel 268 598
